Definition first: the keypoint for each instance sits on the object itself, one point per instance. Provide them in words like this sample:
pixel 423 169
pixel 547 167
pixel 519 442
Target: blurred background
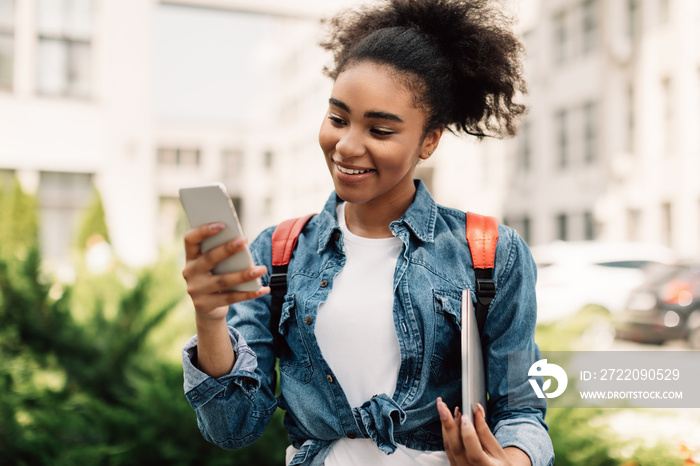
pixel 107 107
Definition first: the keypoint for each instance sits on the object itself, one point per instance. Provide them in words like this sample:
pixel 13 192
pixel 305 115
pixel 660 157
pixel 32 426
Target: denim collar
pixel 419 218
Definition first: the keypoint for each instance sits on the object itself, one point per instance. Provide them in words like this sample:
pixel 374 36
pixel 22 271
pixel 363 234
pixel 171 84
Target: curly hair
pixel 459 57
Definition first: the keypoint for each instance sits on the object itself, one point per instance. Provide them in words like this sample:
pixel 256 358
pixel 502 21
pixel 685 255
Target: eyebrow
pixel 369 114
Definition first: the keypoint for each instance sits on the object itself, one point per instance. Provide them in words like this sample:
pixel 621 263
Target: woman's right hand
pixel 207 289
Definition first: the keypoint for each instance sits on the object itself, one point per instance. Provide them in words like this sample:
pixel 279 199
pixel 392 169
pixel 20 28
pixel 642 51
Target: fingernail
pixel 465 421
pixel 263 291
pixel 481 409
pixel 238 242
pixel 442 410
pixel 456 411
pixel 217 226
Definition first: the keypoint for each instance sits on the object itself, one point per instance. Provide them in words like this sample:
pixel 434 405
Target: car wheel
pixel 694 339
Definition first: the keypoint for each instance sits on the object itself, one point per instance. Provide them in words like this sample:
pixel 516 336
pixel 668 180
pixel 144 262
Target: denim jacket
pixel 431 272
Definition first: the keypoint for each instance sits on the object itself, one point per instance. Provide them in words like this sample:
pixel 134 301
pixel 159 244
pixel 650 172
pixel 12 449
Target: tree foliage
pixel 19 225
pixel 92 222
pixel 81 380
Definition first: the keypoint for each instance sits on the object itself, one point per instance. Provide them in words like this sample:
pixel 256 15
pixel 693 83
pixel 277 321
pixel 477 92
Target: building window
pixel 560 38
pixel 667 115
pixel 634 224
pixel 562 227
pixel 7 43
pixel 232 162
pixel 526 229
pixel 523 226
pixel 562 138
pixel 524 146
pixel 666 224
pixel 268 159
pixel 589 26
pixel 664 11
pixel 62 197
pixel 589 132
pixel 630 118
pixel 589 227
pixel 520 224
pixel 64 60
pixel 178 156
pixel 632 18
pixel 238 205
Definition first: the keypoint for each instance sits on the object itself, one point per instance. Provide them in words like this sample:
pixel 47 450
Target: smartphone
pixel 209 203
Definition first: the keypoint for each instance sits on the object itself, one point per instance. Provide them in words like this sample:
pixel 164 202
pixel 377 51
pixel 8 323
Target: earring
pixel 430 152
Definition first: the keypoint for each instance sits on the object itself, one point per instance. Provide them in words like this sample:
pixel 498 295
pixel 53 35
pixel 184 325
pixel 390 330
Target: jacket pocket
pixel 446 361
pixel 294 355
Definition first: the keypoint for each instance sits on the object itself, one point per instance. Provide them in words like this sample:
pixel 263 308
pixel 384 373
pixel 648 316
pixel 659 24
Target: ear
pixel 430 142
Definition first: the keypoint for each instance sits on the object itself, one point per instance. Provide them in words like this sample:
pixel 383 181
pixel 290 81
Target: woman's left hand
pixel 468 443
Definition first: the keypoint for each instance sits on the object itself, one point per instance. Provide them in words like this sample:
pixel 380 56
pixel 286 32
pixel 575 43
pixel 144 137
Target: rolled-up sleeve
pixel 200 388
pixel 234 410
pixel 527 435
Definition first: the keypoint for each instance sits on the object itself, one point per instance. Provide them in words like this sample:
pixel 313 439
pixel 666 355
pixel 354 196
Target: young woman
pixel 370 322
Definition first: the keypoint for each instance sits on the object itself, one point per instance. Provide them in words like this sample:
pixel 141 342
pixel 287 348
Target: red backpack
pixel 482 237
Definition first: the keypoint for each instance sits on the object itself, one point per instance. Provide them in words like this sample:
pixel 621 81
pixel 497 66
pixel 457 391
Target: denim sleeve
pixel 510 326
pixel 234 410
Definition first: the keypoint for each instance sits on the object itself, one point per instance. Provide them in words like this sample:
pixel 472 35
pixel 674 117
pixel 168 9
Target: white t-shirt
pixel 356 333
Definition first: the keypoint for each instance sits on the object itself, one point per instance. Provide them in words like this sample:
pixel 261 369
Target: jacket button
pixel 330 378
pixel 308 320
pixel 324 283
pixel 352 435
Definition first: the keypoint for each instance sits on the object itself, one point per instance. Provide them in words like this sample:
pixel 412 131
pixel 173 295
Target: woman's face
pixel 372 136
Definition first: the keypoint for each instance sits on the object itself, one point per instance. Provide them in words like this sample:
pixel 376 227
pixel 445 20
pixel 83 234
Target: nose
pixel 351 143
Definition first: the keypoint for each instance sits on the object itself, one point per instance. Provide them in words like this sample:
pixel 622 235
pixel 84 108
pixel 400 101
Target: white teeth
pixel 349 171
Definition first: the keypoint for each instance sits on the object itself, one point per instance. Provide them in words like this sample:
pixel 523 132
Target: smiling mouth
pixel 350 171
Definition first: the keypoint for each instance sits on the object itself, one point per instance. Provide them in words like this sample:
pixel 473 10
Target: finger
pixel 488 441
pixel 195 236
pixel 223 282
pixel 207 261
pixel 470 440
pixel 231 297
pixel 450 432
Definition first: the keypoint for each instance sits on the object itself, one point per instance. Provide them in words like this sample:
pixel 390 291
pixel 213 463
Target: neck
pixel 371 220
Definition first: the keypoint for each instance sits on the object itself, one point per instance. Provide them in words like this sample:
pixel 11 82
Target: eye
pixel 381 132
pixel 336 120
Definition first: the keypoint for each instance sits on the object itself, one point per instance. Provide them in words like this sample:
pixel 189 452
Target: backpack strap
pixel 482 236
pixel 284 240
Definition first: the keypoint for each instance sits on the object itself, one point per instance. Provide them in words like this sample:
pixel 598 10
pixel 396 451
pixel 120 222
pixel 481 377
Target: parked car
pixel 666 307
pixel 572 275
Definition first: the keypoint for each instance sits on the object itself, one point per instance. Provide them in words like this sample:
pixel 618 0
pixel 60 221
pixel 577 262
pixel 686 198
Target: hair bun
pixel 474 58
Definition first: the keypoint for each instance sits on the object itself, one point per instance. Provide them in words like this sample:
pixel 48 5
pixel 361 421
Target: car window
pixel 628 264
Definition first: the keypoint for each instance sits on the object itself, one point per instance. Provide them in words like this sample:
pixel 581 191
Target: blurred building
pixel 77 82
pixel 610 149
pixel 75 111
pixel 188 154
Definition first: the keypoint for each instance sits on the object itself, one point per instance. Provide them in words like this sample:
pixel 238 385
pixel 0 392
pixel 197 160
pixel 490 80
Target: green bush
pixel 581 436
pixel 84 376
